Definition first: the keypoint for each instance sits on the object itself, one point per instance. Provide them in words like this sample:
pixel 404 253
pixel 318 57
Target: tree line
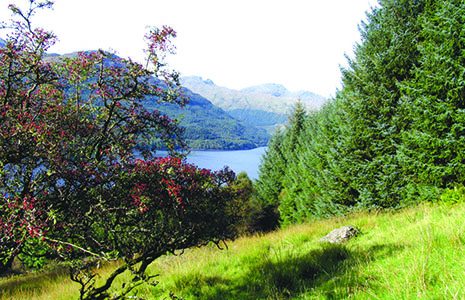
pixel 394 134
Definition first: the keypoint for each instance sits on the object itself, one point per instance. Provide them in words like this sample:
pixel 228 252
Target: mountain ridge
pixel 269 97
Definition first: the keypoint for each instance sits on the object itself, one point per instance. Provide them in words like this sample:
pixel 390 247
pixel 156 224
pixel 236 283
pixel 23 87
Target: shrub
pixel 453 196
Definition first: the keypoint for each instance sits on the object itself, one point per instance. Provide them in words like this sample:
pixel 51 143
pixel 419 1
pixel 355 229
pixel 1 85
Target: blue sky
pixel 297 43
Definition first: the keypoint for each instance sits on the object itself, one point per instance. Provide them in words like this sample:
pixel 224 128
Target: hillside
pixel 262 105
pixel 410 254
pixel 210 127
pixel 206 125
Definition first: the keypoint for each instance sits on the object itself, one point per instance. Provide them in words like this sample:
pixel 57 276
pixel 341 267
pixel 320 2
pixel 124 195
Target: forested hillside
pixel 209 127
pixel 205 125
pixel 394 135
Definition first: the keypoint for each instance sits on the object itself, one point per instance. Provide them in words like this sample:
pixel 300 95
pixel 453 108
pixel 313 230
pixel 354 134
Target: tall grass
pixel 410 254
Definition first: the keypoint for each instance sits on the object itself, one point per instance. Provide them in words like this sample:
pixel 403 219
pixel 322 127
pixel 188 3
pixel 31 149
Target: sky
pixel 236 43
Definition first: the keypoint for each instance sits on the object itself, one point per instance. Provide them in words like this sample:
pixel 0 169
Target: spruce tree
pixel 271 171
pixel 314 184
pixel 372 94
pixel 279 156
pixel 291 149
pixel 433 148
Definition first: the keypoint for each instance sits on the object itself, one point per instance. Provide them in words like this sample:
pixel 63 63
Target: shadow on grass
pixel 273 275
pixel 276 277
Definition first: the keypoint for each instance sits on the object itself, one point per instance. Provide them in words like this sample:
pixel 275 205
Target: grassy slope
pixel 411 254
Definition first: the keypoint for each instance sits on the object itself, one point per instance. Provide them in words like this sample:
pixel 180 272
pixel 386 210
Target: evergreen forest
pixel 394 134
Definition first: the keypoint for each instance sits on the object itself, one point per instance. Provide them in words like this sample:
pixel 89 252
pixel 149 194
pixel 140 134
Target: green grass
pixel 416 253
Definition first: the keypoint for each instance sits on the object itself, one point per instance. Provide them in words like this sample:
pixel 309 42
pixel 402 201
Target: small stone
pixel 340 235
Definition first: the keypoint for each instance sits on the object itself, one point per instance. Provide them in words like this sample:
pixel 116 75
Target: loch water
pixel 238 160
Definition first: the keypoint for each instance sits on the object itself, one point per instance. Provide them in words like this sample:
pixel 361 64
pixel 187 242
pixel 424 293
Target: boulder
pixel 340 235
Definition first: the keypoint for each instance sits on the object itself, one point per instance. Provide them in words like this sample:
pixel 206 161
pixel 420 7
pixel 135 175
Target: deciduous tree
pixel 70 130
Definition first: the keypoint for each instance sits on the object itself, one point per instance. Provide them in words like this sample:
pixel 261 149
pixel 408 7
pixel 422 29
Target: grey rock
pixel 340 235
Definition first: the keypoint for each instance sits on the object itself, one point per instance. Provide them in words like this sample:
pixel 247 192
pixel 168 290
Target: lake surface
pixel 238 160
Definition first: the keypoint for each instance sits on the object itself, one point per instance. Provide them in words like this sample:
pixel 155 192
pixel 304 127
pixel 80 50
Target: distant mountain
pixel 271 89
pixel 206 125
pixel 269 97
pixel 267 106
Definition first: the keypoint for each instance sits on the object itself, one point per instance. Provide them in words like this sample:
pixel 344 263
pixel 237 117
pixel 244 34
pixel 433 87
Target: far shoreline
pixel 226 150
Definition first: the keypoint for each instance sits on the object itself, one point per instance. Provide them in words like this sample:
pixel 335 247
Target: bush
pixel 252 215
pixel 453 196
pixel 264 218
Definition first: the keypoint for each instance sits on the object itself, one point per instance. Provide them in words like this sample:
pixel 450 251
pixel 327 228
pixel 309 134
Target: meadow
pixel 414 253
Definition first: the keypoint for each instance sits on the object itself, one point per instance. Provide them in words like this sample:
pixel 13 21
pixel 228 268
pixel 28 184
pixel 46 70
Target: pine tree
pixel 279 156
pixel 291 149
pixel 271 171
pixel 314 186
pixel 372 94
pixel 433 148
pixel 395 132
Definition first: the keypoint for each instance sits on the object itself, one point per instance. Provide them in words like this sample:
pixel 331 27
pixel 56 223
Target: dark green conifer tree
pixel 269 185
pixel 291 149
pixel 372 93
pixel 271 170
pixel 395 133
pixel 314 182
pixel 433 149
pixel 279 156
